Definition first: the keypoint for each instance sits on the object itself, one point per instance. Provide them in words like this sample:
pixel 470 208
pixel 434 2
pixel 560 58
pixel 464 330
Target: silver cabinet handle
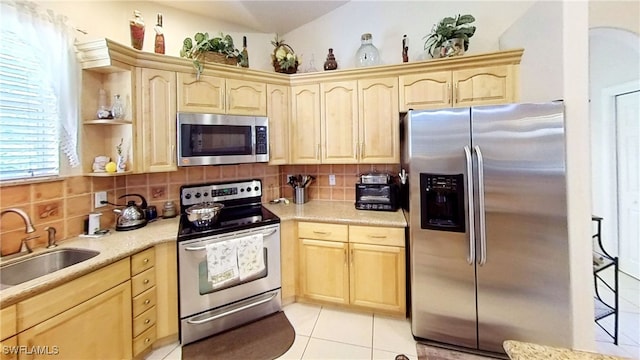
pixel 470 212
pixel 449 91
pixel 233 311
pixel 483 235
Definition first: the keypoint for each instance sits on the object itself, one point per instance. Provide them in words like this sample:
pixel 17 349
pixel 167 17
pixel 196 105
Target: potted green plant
pixel 450 36
pixel 204 48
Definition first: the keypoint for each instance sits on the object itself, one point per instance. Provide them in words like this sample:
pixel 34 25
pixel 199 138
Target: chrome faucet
pixel 28 229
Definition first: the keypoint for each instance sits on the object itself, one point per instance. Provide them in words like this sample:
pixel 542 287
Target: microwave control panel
pixel 262 140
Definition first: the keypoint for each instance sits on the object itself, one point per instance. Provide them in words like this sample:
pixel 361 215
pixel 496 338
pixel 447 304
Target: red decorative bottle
pixel 159 46
pixel 136 26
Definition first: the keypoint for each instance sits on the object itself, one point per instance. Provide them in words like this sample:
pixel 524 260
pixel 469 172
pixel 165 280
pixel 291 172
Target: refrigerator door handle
pixel 483 235
pixel 470 216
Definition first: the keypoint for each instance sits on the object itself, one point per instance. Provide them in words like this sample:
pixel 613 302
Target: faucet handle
pixel 51 241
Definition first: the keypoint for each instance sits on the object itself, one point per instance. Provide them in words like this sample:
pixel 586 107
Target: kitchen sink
pixel 42 264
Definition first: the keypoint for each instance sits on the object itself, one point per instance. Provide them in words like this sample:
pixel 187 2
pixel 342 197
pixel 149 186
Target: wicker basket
pixel 276 65
pixel 216 57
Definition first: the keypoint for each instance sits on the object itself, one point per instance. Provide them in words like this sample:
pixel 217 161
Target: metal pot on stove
pixel 204 214
pixel 132 216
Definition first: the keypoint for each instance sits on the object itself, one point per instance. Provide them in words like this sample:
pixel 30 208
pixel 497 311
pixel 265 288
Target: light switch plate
pixel 100 196
pixel 332 180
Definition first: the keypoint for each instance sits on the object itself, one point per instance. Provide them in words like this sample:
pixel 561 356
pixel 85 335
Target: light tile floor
pixel 328 333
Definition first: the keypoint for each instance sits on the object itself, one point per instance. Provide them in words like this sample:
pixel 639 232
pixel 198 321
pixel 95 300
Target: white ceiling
pixel 264 16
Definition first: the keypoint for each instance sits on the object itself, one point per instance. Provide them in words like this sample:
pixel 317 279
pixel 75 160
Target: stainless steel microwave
pixel 215 139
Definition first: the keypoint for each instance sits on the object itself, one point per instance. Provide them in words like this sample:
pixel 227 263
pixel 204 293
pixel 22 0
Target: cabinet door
pixel 157 125
pixel 166 269
pixel 431 90
pixel 324 273
pixel 201 96
pixel 96 329
pixel 278 114
pixel 339 122
pixel 377 277
pixel 485 86
pixel 379 121
pixel 305 124
pixel 246 98
pixel 9 348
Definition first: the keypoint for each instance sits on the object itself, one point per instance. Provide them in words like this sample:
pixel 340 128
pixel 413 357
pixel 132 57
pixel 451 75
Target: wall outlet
pixel 288 176
pixel 100 196
pixel 332 180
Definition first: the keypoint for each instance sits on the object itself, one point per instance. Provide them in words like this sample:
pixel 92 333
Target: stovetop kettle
pixel 132 216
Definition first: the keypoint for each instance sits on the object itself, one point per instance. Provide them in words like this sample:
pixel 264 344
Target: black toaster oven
pixel 384 197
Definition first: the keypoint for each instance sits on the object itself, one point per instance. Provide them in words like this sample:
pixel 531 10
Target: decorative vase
pixel 367 54
pixel 136 27
pixel 331 63
pixel 121 164
pixel 451 47
pixel 117 109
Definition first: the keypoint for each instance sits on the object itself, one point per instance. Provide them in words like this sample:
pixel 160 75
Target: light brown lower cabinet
pixel 119 311
pixel 356 266
pixel 99 328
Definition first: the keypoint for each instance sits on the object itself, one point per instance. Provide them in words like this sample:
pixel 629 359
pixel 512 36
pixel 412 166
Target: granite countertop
pixel 113 247
pixel 527 351
pixel 339 212
pixel 120 244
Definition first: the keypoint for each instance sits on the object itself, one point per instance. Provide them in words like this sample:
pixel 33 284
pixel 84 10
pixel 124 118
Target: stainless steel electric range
pixel 214 296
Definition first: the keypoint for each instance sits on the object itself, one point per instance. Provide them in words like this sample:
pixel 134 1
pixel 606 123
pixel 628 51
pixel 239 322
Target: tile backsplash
pixel 65 204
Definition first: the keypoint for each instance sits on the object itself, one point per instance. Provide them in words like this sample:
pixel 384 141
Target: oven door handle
pixel 200 248
pixel 230 312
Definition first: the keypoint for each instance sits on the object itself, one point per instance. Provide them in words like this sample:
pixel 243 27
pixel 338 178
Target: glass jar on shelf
pixel 117 108
pixel 367 54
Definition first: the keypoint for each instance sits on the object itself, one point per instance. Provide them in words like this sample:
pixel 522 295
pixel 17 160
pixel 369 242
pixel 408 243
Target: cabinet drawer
pixel 144 340
pixel 142 261
pixel 143 281
pixel 8 322
pixel 322 231
pixel 376 235
pixel 144 321
pixel 6 345
pixel 144 301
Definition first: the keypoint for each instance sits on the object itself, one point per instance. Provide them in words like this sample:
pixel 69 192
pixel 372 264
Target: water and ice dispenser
pixel 442 202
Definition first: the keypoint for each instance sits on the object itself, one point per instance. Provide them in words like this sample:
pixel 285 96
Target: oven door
pixel 198 294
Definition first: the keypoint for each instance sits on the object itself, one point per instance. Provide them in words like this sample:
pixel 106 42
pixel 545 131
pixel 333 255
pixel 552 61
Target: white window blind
pixel 29 120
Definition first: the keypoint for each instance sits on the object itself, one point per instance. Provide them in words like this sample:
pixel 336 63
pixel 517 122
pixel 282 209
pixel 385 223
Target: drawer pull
pixel 147 321
pixel 377 236
pixel 146 281
pixel 147 340
pixel 146 302
pixel 146 261
pixel 321 232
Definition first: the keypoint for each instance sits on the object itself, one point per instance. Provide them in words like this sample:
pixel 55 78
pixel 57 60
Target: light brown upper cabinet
pixel 217 95
pixel 156 125
pixel 378 121
pixel 304 136
pixel 278 114
pixel 465 87
pixel 359 122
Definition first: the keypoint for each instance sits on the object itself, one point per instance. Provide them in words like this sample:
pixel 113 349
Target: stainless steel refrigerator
pixel 489 252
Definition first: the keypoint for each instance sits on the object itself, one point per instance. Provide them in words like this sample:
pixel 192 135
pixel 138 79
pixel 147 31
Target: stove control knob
pixel 205 194
pixel 241 189
pixel 198 195
pixel 187 196
pixel 256 188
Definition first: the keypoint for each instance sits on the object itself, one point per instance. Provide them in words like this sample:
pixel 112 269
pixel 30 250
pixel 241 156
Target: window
pixel 39 76
pixel 28 116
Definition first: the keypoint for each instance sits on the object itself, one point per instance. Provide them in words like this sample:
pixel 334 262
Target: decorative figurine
pixel 331 63
pixel 405 49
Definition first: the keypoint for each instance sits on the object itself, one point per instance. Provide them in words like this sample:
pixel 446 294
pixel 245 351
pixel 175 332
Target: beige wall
pixel 619 14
